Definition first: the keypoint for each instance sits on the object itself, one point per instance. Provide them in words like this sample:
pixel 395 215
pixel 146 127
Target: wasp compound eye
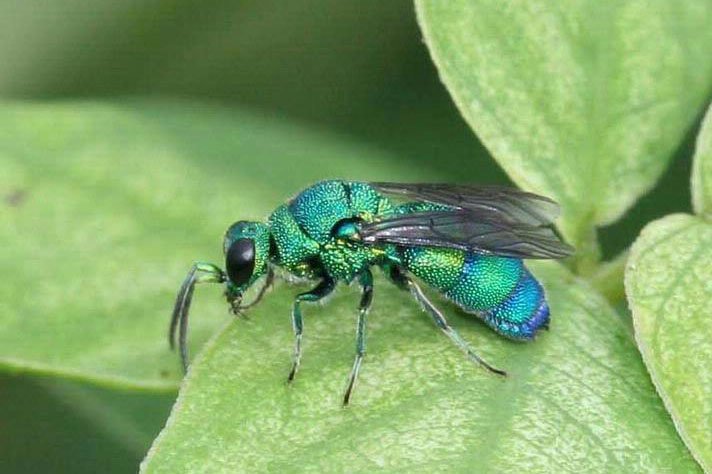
pixel 240 261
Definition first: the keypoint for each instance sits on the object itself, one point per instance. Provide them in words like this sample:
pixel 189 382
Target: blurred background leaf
pixel 585 102
pixel 358 67
pixel 54 425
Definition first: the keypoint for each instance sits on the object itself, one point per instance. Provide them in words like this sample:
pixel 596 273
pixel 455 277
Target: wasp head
pixel 246 246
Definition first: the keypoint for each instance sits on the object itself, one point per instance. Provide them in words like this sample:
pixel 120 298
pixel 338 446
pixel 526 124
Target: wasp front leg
pixel 366 281
pixel 323 289
pixel 234 296
pixel 266 286
pixel 234 299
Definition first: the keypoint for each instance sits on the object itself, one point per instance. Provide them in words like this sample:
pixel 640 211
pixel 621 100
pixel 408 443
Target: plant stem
pixel 608 278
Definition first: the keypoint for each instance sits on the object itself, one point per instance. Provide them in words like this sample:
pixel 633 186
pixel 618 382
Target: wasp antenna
pixel 183 332
pixel 209 273
pixel 189 282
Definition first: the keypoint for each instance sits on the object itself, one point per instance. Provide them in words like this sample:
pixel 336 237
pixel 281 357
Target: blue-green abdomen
pixel 523 312
pixel 485 281
pixel 500 290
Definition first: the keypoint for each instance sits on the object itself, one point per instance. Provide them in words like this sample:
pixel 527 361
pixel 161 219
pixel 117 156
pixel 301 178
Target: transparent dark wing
pixel 505 204
pixel 467 230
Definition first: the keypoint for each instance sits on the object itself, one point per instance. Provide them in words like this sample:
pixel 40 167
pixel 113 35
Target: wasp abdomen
pixel 522 312
pixel 499 290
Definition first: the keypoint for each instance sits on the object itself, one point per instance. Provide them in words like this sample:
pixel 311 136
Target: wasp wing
pixel 505 204
pixel 492 220
pixel 466 230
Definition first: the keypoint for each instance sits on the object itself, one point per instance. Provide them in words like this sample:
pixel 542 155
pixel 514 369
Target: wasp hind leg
pixel 323 289
pixel 406 283
pixel 366 281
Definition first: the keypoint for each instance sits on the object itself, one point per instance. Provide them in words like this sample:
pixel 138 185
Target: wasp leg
pixel 324 288
pixel 263 290
pixel 405 282
pixel 366 281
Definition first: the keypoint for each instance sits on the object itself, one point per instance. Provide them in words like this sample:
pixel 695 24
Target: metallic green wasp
pixel 467 242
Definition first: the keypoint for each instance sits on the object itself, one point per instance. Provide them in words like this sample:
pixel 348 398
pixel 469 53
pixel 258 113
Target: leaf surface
pixel 668 282
pixel 577 399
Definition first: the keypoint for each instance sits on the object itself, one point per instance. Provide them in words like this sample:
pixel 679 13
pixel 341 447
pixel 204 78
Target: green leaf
pixel 581 101
pixel 669 287
pixel 668 282
pixel 577 399
pixel 702 168
pixel 105 207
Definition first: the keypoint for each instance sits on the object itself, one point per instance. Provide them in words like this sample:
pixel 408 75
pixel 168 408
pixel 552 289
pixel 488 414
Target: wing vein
pixel 491 220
